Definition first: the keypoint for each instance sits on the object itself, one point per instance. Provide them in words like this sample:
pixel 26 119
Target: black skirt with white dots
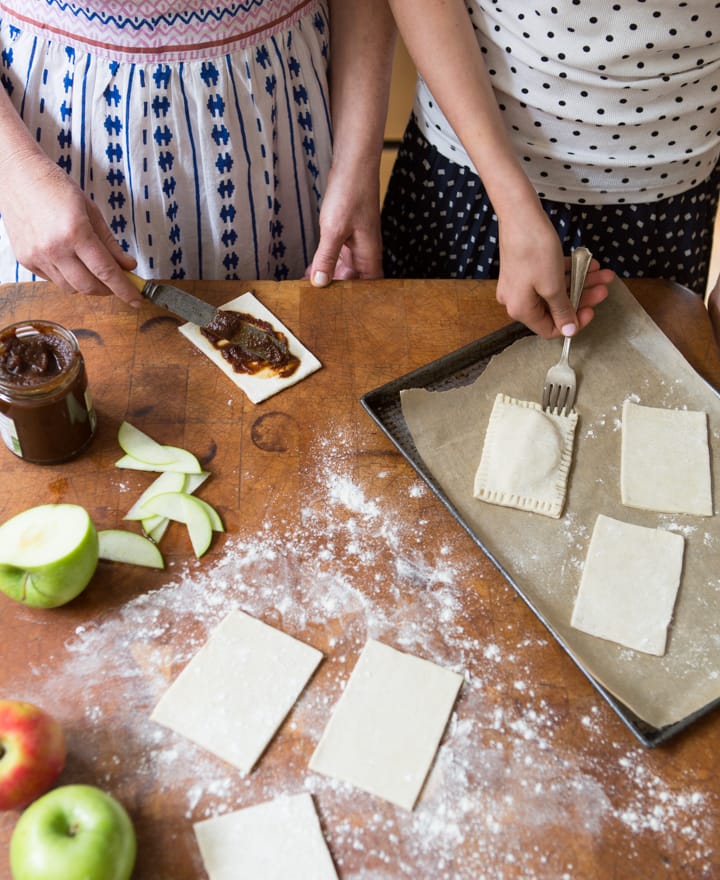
pixel 438 222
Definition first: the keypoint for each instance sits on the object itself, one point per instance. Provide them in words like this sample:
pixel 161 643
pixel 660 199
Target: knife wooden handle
pixel 136 281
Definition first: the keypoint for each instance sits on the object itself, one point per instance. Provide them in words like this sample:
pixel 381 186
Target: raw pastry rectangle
pixel 275 840
pixel 236 691
pixel 526 457
pixel 386 726
pixel 629 584
pixel 257 388
pixel 665 460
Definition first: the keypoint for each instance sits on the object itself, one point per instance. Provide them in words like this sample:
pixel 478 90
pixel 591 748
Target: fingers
pixel 548 312
pixel 360 257
pixel 325 261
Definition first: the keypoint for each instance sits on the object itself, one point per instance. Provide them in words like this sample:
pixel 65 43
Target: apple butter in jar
pixel 46 411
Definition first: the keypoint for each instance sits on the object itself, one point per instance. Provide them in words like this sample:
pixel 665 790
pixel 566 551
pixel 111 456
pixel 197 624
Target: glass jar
pixel 46 410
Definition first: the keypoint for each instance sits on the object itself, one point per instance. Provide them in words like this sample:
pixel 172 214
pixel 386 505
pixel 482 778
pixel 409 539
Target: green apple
pixel 120 545
pixel 75 832
pixel 32 753
pixel 47 554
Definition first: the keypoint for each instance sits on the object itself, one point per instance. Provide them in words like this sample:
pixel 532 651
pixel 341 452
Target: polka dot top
pixel 606 101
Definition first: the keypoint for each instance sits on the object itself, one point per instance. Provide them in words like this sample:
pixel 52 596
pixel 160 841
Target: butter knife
pixel 253 339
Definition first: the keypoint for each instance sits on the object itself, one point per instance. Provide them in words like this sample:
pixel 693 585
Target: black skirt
pixel 437 222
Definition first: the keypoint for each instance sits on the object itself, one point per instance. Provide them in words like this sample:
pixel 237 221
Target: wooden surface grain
pixel 332 537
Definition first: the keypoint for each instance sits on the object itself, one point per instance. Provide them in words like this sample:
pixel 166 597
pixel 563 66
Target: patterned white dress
pixel 201 131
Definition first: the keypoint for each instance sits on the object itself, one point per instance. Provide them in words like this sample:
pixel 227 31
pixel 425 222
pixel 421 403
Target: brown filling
pixel 31 360
pixel 250 345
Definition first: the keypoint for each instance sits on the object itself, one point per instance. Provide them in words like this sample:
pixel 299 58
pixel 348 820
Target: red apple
pixel 32 753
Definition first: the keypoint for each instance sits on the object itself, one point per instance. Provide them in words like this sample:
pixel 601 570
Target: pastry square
pixel 629 584
pixel 665 460
pixel 386 727
pixel 236 691
pixel 260 387
pixel 526 457
pixel 274 840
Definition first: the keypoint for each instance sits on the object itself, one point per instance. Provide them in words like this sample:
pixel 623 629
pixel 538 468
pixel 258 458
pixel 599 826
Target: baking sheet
pixel 621 354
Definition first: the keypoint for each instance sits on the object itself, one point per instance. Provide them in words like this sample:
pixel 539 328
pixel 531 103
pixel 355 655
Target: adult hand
pixel 534 280
pixel 59 233
pixel 350 244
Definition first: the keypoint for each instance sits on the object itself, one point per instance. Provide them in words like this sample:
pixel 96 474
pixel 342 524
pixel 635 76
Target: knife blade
pixel 179 302
pixel 258 342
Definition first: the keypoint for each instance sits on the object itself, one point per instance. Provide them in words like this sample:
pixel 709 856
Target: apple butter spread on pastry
pixel 250 345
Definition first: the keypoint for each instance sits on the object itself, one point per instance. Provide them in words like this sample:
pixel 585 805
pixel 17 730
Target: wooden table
pixel 333 538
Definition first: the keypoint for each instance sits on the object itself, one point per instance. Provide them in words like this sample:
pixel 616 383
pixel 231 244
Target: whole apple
pixel 75 832
pixel 32 753
pixel 47 554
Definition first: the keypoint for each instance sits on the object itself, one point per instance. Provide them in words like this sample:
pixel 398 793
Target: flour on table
pixel 236 691
pixel 275 840
pixel 507 774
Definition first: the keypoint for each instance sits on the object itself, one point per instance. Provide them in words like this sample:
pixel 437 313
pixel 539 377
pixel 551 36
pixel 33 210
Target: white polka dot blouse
pixel 606 102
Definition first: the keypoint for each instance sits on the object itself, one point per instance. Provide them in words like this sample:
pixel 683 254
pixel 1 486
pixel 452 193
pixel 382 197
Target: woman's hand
pixel 363 40
pixel 534 278
pixel 58 233
pixel 350 244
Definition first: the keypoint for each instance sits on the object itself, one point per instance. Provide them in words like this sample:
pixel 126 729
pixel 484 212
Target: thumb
pixel 325 260
pixel 562 314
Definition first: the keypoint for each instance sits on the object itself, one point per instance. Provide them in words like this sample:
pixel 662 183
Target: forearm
pixel 362 45
pixel 19 149
pixel 440 29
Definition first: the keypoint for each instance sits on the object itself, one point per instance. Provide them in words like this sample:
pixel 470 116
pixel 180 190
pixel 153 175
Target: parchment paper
pixel 621 354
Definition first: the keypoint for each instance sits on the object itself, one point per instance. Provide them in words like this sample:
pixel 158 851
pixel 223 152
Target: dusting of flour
pixel 504 777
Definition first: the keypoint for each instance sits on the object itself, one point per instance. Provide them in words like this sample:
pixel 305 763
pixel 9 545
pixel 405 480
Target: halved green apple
pixel 121 545
pixel 48 554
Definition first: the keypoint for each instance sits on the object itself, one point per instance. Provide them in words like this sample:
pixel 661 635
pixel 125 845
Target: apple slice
pixel 120 545
pixel 180 460
pixel 145 454
pixel 215 521
pixel 155 527
pixel 195 480
pixel 186 509
pixel 139 445
pixel 48 554
pixel 168 481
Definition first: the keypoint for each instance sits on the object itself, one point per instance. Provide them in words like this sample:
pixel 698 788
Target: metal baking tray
pixel 453 370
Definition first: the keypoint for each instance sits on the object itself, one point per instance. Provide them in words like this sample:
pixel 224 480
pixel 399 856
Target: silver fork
pixel 560 386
